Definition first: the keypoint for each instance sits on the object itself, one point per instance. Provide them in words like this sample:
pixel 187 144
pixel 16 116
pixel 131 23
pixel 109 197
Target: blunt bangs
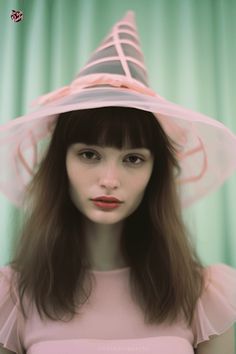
pixel 117 127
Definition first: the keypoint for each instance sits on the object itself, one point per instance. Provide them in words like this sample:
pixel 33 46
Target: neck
pixel 103 245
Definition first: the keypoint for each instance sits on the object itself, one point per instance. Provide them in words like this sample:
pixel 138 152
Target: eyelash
pixel 92 152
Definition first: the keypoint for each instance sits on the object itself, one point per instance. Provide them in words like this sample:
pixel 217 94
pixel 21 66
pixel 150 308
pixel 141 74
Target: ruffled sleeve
pixel 9 314
pixel 216 308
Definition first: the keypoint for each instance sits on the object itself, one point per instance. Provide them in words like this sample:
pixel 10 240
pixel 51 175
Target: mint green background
pixel 190 52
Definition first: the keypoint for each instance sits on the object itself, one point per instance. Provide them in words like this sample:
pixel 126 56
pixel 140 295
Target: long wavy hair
pixel 50 260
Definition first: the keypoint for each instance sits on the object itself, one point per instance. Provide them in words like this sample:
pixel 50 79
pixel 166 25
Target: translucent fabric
pixel 216 308
pixel 10 315
pixel 111 321
pixel 206 152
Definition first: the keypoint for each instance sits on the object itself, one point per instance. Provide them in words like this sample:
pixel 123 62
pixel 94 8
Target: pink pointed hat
pixel 115 75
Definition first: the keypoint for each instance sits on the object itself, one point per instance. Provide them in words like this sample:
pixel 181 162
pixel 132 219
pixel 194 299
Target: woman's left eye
pixel 136 157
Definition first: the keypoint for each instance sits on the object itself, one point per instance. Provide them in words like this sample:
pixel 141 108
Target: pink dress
pixel 112 322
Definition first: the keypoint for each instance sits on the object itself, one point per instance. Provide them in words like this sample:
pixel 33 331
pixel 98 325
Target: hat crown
pixel 119 58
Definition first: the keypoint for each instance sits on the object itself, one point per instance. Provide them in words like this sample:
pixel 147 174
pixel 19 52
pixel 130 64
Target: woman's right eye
pixel 88 153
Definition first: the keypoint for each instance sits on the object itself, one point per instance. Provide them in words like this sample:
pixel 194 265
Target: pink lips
pixel 107 199
pixel 106 202
pixel 106 205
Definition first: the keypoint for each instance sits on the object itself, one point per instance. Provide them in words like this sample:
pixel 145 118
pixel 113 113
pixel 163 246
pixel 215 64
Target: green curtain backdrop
pixel 190 52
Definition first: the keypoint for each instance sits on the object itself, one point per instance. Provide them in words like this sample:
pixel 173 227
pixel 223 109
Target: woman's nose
pixel 110 177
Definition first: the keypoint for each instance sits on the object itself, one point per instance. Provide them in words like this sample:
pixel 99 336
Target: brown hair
pixel 166 275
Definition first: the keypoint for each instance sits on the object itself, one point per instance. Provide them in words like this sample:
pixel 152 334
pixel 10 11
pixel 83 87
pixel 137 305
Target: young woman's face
pixel 94 171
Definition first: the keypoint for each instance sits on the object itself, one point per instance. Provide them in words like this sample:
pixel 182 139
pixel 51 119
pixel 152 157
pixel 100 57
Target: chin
pixel 106 218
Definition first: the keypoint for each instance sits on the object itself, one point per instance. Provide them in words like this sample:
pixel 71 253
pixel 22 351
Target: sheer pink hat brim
pixel 207 154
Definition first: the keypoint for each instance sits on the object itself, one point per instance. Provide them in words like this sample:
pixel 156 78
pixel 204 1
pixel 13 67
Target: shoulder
pixel 6 274
pixel 218 344
pixel 215 312
pixel 7 281
pixel 5 271
pixel 10 316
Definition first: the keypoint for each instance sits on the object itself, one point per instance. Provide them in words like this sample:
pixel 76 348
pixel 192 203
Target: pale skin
pixel 99 171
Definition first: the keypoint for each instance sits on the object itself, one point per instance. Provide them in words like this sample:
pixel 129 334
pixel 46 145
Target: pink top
pixel 111 321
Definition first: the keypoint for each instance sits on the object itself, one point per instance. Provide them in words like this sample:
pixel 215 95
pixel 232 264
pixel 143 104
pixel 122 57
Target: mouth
pixel 106 204
pixel 106 200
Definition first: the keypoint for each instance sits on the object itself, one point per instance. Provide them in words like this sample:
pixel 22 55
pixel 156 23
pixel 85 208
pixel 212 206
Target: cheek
pixel 68 166
pixel 72 169
pixel 143 179
pixel 149 173
pixel 139 184
pixel 71 179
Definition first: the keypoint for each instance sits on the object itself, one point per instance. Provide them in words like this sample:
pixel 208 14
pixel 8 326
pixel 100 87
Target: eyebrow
pixel 145 150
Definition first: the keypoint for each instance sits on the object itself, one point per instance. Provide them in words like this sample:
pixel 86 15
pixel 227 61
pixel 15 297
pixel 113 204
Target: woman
pixel 92 275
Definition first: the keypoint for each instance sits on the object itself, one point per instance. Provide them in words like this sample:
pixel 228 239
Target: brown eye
pixel 133 158
pixel 88 156
pixel 87 153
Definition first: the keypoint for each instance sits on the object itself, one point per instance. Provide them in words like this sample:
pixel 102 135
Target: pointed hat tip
pixel 129 16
